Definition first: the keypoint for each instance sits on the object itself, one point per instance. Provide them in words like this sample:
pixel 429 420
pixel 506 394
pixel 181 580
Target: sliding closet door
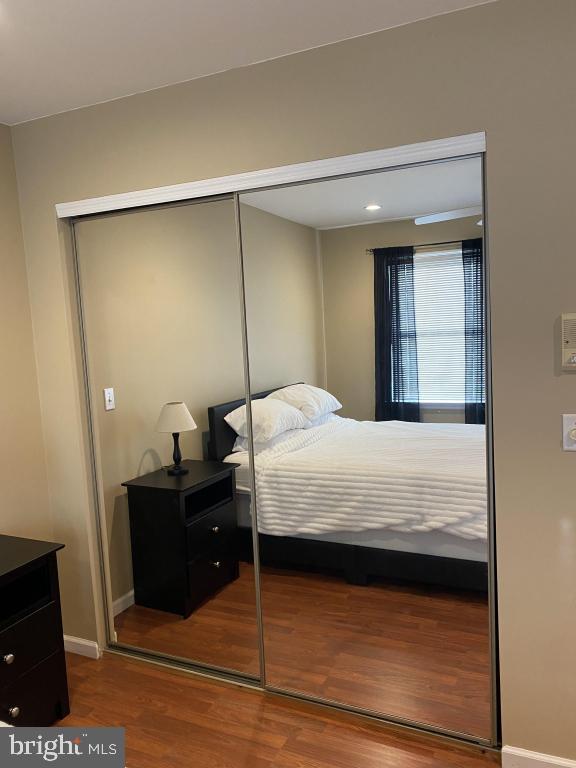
pixel 162 319
pixel 365 314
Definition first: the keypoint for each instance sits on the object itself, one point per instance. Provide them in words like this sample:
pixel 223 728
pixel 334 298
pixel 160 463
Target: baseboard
pixel 514 757
pixel 82 647
pixel 123 602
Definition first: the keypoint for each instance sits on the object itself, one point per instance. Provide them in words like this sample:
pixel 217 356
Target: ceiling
pixel 57 55
pixel 403 194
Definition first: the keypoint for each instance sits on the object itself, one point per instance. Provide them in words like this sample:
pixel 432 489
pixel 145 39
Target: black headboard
pixel 221 437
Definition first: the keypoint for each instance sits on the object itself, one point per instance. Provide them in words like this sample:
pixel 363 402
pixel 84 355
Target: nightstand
pixel 33 686
pixel 183 532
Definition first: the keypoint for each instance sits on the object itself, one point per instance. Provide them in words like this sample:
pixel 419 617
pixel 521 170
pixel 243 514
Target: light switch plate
pixel 569 431
pixel 109 401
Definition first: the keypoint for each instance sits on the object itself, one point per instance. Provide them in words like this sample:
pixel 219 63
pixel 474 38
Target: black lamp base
pixel 177 471
pixel 176 468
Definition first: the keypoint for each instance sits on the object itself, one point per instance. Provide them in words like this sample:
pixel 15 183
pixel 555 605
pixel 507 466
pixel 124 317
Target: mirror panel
pixel 373 513
pixel 162 321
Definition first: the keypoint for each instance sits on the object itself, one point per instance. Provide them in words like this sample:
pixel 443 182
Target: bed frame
pixel 356 563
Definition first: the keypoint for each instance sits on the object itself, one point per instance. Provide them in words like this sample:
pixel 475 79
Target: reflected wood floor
pixel 174 720
pixel 221 632
pixel 419 654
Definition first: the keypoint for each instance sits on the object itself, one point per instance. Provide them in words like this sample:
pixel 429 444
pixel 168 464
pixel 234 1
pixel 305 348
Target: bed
pixel 398 500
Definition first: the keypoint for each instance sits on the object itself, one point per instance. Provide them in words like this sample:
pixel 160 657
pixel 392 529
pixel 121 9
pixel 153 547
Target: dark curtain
pixel 396 359
pixel 475 409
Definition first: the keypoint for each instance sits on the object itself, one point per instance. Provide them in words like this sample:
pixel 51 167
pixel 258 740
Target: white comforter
pixel 350 475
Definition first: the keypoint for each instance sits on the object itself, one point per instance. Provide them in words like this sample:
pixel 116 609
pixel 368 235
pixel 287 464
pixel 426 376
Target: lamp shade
pixel 175 417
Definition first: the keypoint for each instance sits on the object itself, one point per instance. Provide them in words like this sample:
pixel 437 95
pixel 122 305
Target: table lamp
pixel 175 418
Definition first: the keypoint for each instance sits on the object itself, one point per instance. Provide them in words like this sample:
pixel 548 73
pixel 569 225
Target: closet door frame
pixel 231 186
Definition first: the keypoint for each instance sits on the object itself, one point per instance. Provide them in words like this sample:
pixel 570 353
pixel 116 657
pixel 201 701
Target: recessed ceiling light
pixel 372 207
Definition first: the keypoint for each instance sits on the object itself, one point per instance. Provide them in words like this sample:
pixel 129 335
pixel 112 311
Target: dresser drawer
pixel 213 534
pixel 39 697
pixel 29 641
pixel 206 576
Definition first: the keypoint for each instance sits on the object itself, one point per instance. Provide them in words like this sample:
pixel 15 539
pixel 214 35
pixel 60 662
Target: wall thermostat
pixel 569 341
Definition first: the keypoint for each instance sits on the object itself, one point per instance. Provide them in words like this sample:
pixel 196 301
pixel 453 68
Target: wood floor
pixel 222 632
pixel 418 654
pixel 174 720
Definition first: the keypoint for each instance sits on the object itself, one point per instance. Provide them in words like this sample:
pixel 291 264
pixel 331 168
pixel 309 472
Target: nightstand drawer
pixel 206 575
pixel 212 534
pixel 38 698
pixel 29 641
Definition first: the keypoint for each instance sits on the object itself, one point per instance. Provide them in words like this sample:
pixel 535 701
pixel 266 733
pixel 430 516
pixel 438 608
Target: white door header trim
pixel 439 149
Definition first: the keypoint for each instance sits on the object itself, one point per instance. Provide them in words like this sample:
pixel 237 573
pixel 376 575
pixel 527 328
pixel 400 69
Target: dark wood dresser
pixel 183 532
pixel 33 685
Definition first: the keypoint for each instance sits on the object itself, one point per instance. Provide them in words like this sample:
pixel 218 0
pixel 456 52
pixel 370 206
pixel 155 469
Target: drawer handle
pixel 215 563
pixel 14 712
pixel 9 658
pixel 216 529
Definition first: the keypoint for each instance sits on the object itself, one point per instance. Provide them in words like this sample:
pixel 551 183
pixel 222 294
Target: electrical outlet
pixel 569 431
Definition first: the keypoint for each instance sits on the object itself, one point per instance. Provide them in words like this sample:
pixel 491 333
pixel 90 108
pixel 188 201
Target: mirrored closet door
pixel 365 307
pixel 162 316
pixel 304 367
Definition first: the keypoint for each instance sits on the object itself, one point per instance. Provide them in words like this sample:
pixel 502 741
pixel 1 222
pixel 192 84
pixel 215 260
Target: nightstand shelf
pixel 183 531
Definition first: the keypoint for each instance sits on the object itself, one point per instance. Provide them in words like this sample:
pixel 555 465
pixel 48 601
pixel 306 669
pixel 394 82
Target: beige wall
pixel 162 323
pixel 24 508
pixel 162 311
pixel 506 68
pixel 283 301
pixel 348 279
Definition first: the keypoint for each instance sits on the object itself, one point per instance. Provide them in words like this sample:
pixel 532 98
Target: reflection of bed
pixel 392 499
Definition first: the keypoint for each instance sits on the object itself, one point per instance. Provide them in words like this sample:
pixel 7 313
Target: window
pixel 439 313
pixel 429 330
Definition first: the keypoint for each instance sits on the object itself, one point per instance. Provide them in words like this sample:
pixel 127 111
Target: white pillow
pixel 269 418
pixel 325 419
pixel 312 401
pixel 241 444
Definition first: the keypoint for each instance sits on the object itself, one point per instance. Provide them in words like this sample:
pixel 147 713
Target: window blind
pixel 439 309
pixel 429 330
